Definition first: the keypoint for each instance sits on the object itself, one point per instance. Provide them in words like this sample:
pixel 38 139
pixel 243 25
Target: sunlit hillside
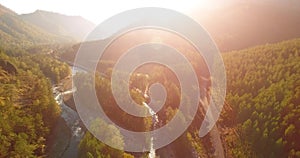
pixel 50 105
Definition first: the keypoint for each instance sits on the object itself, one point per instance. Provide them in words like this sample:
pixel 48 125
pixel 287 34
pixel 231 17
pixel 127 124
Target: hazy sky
pixel 97 10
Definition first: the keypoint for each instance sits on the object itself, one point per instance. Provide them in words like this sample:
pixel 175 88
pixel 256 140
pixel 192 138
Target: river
pixel 155 120
pixel 72 120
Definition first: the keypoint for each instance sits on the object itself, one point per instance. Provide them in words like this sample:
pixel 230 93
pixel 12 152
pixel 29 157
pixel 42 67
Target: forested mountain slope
pixel 264 89
pixel 27 108
pixel 15 32
pixel 249 23
pixel 74 27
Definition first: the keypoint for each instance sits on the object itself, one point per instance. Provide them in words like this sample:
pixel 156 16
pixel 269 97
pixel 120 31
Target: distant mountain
pixel 246 24
pixel 75 27
pixel 4 10
pixel 18 33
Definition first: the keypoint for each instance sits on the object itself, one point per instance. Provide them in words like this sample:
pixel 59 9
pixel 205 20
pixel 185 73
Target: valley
pixel 260 46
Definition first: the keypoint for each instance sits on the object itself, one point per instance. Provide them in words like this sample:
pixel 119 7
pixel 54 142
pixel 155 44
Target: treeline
pixel 264 89
pixel 260 118
pixel 52 68
pixel 91 147
pixel 27 107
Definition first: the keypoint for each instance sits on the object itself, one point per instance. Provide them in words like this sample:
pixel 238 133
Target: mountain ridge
pixel 75 27
pixel 47 28
pixel 15 32
pixel 245 24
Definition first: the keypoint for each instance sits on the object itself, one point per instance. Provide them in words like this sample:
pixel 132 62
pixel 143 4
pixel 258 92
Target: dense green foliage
pixel 264 88
pixel 92 147
pixel 52 68
pixel 27 107
pixel 261 115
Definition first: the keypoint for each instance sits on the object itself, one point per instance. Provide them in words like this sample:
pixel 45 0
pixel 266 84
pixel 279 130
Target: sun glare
pixel 101 12
pixel 96 11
